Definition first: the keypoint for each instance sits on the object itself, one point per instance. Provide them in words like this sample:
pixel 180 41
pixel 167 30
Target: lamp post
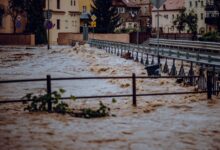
pixel 85 18
pixel 158 34
pixel 138 27
pixel 48 32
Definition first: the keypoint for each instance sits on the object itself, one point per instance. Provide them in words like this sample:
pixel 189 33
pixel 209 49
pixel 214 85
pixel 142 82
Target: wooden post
pixel 209 84
pixel 49 93
pixel 134 90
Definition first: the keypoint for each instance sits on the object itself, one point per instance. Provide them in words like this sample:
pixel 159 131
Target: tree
pixel 191 21
pixel 217 4
pixel 107 16
pixel 35 23
pixel 180 21
pixel 186 19
pixel 15 8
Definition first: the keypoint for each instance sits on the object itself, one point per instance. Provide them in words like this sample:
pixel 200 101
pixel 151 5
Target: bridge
pixel 202 55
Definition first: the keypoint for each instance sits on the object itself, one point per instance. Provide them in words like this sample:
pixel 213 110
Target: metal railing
pixel 48 80
pixel 199 46
pixel 169 53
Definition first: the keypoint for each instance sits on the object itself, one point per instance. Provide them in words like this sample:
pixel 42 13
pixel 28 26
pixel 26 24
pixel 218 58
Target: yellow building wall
pixel 68 15
pixel 86 3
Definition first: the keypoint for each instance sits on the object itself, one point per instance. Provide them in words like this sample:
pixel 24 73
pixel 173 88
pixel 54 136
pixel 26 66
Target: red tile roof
pixel 129 3
pixel 125 3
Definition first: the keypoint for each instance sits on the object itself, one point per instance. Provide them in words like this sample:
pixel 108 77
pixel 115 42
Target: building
pixel 212 16
pixel 168 12
pixel 205 10
pixel 128 12
pixel 85 9
pixel 198 7
pixel 85 6
pixel 145 13
pixel 65 17
pixel 6 24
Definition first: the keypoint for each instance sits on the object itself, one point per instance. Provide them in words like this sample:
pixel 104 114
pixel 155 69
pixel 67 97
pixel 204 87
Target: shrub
pixel 34 103
pixel 211 36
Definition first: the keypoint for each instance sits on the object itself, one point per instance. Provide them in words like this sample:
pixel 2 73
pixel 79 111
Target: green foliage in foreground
pixel 39 104
pixel 211 36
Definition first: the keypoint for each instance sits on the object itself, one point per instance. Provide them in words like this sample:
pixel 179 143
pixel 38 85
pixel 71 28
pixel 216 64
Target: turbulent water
pixel 161 122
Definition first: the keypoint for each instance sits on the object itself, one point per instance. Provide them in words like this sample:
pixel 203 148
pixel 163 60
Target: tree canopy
pixel 107 16
pixel 35 23
pixel 15 8
pixel 33 10
pixel 190 20
pixel 217 4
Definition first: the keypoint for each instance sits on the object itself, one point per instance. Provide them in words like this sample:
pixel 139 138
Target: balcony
pixel 210 7
pixel 211 20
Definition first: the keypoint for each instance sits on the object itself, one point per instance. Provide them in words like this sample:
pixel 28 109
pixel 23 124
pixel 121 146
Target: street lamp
pixel 48 32
pixel 158 36
pixel 85 18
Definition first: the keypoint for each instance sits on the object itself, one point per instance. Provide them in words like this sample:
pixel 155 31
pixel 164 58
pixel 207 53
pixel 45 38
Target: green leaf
pixel 62 91
pixel 72 97
pixel 114 100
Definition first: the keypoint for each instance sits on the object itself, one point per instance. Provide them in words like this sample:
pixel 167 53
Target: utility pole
pixel 158 4
pixel 158 36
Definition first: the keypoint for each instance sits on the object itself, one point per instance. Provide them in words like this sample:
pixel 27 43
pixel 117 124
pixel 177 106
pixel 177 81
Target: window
pixel 196 15
pixel 202 16
pixel 121 10
pixel 84 8
pixel 196 3
pixel 173 16
pixel 58 4
pixel 202 4
pixel 190 3
pixel 58 24
pixel 164 7
pixel 66 22
pixel 166 16
pixel 71 2
pixel 1 20
pixel 1 16
pixel 74 2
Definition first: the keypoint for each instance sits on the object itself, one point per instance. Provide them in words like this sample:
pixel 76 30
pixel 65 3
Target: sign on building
pixel 93 24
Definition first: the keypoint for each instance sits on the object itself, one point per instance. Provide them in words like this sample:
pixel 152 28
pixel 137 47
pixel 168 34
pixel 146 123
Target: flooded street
pixel 174 122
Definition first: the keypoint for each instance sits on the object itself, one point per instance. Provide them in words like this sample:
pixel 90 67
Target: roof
pixel 128 3
pixel 125 3
pixel 172 5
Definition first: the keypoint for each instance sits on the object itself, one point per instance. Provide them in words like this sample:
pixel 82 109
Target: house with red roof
pixel 128 11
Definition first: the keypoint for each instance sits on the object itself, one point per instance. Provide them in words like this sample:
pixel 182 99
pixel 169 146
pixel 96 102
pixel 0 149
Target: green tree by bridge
pixel 107 16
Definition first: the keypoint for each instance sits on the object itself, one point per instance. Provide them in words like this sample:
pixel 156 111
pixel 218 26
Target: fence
pixel 134 95
pixel 187 56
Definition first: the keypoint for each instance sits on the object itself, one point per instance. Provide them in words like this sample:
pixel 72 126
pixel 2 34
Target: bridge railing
pixel 198 46
pixel 133 79
pixel 188 56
